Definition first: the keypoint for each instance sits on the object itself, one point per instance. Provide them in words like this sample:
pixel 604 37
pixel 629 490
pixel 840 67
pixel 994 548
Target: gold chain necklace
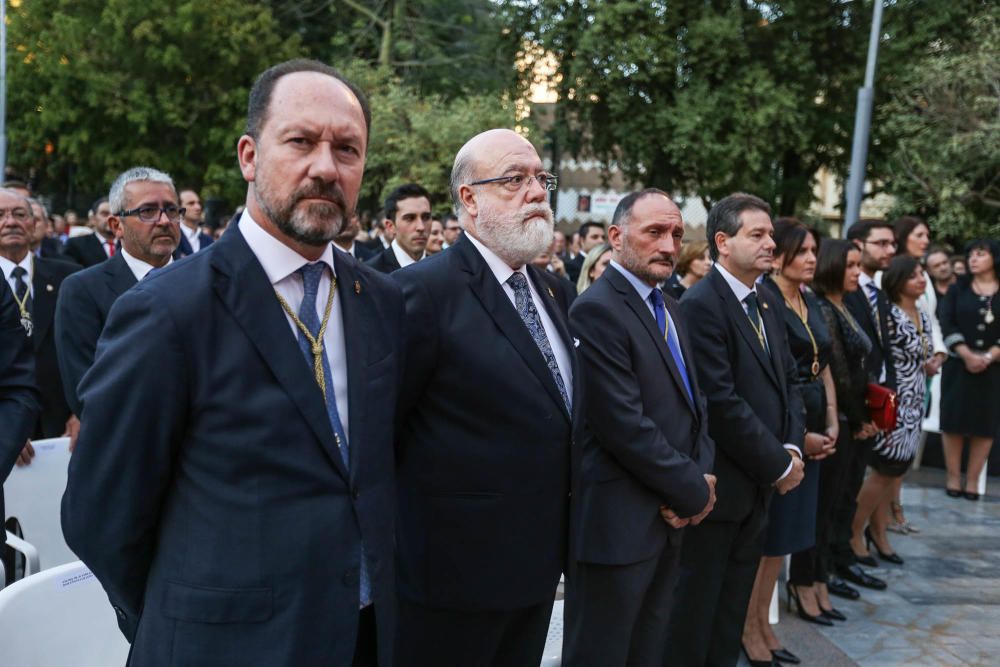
pixel 316 342
pixel 812 339
pixel 22 304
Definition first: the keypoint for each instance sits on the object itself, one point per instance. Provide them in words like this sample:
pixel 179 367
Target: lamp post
pixel 862 127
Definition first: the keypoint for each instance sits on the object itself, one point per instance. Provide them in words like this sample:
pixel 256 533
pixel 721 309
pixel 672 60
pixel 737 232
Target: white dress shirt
pixel 8 267
pixel 401 256
pixel 281 263
pixel 193 236
pixel 140 269
pixel 741 292
pixel 502 272
pixel 864 280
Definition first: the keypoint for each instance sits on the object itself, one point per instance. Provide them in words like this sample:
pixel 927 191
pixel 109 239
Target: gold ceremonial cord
pixel 758 330
pixel 22 304
pixel 805 322
pixel 316 345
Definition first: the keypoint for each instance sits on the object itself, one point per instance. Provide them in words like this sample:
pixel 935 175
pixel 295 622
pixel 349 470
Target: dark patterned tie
pixel 526 309
pixel 21 286
pixel 311 274
pixel 753 312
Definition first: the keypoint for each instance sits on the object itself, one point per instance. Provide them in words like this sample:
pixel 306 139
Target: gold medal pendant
pixel 27 324
pixel 815 368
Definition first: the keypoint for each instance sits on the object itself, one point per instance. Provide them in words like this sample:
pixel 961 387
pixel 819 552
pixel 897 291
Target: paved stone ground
pixel 942 606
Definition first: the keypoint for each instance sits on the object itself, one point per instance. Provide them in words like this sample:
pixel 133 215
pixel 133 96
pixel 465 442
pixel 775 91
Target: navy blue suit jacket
pixel 84 302
pixel 647 442
pixel 753 406
pixel 206 491
pixel 87 250
pixel 18 396
pixel 46 284
pixel 184 247
pixel 485 444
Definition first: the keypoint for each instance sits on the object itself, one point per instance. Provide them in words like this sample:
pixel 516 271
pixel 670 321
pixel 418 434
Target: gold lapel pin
pixel 551 293
pixel 357 287
pixel 49 288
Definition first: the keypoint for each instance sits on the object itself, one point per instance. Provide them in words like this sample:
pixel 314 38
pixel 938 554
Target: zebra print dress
pixel 910 349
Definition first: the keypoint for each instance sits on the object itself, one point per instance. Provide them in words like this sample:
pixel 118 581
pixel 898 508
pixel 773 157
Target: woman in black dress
pixel 791 523
pixel 970 381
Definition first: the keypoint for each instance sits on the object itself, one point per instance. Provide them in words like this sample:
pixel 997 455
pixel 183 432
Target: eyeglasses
pixel 152 214
pixel 19 214
pixel 884 243
pixel 514 183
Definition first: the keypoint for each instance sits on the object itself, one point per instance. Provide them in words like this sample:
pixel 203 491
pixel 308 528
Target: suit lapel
pixel 43 304
pixel 119 276
pixel 774 334
pixel 490 293
pixel 551 305
pixel 242 285
pixel 639 309
pixel 686 349
pixel 356 306
pixel 738 315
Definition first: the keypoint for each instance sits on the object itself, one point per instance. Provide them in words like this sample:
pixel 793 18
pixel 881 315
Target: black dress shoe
pixel 839 587
pixel 867 561
pixel 953 493
pixel 832 612
pixel 893 558
pixel 784 655
pixel 856 575
pixel 758 663
pixel 793 594
pixel 970 495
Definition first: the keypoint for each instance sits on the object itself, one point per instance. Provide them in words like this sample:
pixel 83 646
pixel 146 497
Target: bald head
pixel 479 153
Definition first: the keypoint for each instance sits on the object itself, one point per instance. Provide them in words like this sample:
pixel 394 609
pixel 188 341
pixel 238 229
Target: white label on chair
pixel 73 578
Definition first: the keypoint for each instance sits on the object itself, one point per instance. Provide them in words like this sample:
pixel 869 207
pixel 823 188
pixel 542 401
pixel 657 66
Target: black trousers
pixel 719 562
pixel 429 637
pixel 813 564
pixel 841 553
pixel 365 648
pixel 615 614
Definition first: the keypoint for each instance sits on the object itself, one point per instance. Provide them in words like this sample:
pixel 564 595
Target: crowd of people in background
pixel 663 421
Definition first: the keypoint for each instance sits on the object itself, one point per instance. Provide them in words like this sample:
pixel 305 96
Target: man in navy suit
pixel 647 456
pixel 407 214
pixel 755 417
pixel 232 487
pixel 35 282
pixel 192 238
pixel 147 219
pixel 346 241
pixel 489 415
pixel 90 249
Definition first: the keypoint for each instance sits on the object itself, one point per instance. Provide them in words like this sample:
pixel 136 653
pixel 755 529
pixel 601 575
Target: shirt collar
pixel 865 280
pixel 191 234
pixel 401 256
pixel 8 266
pixel 500 268
pixel 740 290
pixel 642 288
pixel 139 268
pixel 278 260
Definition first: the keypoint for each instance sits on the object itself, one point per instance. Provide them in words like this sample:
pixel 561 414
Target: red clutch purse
pixel 881 406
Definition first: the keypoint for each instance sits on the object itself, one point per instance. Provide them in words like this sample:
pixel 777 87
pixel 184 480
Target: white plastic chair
pixel 33 495
pixel 60 617
pixel 552 655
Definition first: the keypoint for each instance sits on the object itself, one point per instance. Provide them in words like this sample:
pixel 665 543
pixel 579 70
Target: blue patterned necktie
pixel 673 344
pixel 311 275
pixel 526 309
pixel 872 291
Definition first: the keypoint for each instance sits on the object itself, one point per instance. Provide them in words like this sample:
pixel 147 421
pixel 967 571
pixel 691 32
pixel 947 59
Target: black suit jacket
pixel 363 253
pixel 46 282
pixel 384 261
pixel 574 266
pixel 82 308
pixel 18 395
pixel 207 493
pixel 51 248
pixel 86 250
pixel 860 308
pixel 485 443
pixel 647 442
pixel 184 247
pixel 753 405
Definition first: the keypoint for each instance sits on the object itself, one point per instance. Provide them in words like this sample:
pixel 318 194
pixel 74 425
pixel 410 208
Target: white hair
pixel 116 198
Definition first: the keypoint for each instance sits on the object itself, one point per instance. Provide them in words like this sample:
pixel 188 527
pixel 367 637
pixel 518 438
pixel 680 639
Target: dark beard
pixel 292 221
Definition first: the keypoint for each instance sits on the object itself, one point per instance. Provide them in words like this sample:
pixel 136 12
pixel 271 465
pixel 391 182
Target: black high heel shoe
pixel 783 655
pixel 832 614
pixel 867 561
pixel 793 595
pixel 889 558
pixel 758 663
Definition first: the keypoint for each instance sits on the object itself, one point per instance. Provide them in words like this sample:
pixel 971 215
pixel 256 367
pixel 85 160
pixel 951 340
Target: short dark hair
pixel 624 209
pixel 725 217
pixel 587 225
pixel 937 247
pixel 903 227
pixel 862 229
pixel 405 191
pixel 831 265
pixel 989 245
pixel 263 87
pixel 893 278
pixel 448 217
pixel 97 203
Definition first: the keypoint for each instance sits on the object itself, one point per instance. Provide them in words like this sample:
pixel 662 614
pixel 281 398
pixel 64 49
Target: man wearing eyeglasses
pixel 146 217
pixel 489 416
pixel 408 220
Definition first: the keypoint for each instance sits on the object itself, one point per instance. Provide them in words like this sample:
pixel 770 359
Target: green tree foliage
pixel 116 83
pixel 945 120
